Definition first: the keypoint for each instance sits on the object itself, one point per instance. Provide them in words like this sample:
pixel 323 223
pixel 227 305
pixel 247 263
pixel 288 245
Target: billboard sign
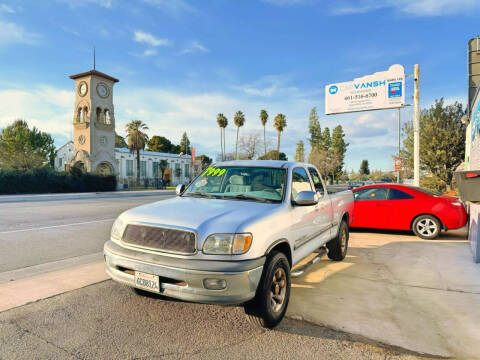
pixel 382 90
pixel 475 136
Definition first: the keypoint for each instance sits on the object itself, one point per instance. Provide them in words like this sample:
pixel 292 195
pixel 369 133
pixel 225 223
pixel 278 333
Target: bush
pixel 45 180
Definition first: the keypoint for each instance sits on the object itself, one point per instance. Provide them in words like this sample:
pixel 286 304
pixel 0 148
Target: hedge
pixel 45 180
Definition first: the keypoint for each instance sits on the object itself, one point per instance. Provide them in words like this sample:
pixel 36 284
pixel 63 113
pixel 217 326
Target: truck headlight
pixel 227 244
pixel 117 229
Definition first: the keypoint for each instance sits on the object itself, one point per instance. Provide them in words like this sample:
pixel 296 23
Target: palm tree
pixel 280 123
pixel 239 120
pixel 222 122
pixel 263 120
pixel 137 139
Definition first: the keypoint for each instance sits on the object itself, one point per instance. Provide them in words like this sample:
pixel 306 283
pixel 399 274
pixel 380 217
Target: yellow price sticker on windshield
pixel 211 171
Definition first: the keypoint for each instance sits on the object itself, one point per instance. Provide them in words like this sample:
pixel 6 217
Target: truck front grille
pixel 162 239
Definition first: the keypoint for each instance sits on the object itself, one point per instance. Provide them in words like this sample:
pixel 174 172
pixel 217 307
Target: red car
pixel 400 207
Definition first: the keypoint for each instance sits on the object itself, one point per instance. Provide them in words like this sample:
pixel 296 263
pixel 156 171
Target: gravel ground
pixel 110 321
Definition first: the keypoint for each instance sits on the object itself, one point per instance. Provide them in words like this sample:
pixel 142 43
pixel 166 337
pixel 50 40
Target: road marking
pixel 55 226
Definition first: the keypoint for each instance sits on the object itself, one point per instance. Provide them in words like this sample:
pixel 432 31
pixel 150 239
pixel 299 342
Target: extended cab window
pixel 300 182
pixel 317 181
pixel 395 194
pixel 371 194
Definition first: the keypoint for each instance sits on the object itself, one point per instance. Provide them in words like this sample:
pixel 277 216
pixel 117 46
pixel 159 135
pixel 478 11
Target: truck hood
pixel 205 216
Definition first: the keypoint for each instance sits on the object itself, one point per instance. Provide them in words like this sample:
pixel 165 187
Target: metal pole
pixel 398 172
pixel 416 127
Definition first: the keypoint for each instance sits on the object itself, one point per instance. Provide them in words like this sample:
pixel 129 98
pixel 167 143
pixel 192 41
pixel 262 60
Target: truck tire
pixel 338 246
pixel 426 227
pixel 268 307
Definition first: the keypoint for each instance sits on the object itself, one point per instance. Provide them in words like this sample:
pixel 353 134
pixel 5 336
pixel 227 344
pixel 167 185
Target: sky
pixel 181 62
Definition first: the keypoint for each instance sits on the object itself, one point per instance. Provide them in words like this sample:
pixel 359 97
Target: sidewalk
pixel 85 195
pixel 420 295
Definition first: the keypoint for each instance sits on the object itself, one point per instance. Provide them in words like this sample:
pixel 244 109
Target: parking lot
pixel 394 296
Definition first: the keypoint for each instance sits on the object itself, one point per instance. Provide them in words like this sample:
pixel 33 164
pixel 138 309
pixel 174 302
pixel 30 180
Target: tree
pixel 300 152
pixel 314 129
pixel 250 144
pixel 364 169
pixel 239 120
pixel 137 139
pixel 272 155
pixel 163 165
pixel 120 141
pixel 442 141
pixel 280 123
pixel 326 140
pixel 185 144
pixel 326 162
pixel 339 146
pixel 205 160
pixel 263 120
pixel 25 149
pixel 222 122
pixel 161 144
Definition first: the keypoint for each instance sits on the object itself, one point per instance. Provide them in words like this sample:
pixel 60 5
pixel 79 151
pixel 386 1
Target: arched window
pixel 84 117
pixel 78 116
pixel 107 118
pixel 99 115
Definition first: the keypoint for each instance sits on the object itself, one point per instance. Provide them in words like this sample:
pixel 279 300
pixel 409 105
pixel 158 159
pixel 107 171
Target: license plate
pixel 147 281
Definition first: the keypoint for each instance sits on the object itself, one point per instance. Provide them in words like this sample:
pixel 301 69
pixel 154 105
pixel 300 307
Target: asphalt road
pixel 42 229
pixel 110 321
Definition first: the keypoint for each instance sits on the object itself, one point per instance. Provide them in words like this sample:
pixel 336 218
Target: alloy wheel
pixel 427 227
pixel 278 289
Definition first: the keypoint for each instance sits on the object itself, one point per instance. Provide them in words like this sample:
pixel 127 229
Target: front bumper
pixel 183 278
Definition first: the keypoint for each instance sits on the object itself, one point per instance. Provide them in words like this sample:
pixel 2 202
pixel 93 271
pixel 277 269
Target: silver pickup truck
pixel 232 236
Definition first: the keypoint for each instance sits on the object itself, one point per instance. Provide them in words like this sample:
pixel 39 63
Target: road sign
pixel 382 90
pixel 398 164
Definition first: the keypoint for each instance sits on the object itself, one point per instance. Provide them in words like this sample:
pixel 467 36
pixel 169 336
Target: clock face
pixel 102 90
pixel 82 88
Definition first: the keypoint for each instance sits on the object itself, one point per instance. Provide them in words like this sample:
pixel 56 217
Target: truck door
pixel 323 210
pixel 302 216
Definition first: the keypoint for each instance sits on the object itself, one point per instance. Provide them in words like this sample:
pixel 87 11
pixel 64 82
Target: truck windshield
pixel 240 182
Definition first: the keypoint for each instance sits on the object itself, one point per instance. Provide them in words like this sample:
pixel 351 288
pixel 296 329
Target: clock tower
pixel 94 123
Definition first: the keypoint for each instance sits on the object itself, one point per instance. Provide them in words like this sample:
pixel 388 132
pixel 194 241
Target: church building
pixel 93 146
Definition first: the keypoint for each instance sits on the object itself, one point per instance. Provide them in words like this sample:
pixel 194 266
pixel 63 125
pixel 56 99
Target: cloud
pixel 173 7
pixel 286 2
pixel 77 3
pixel 5 8
pixel 411 7
pixel 11 33
pixel 144 37
pixel 194 47
pixel 48 108
pixel 269 86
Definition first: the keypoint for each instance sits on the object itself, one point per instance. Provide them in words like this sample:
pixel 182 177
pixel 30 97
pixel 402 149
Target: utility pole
pixel 416 127
pixel 398 172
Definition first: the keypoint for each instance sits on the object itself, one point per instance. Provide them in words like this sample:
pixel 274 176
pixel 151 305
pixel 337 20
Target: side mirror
pixel 306 198
pixel 179 189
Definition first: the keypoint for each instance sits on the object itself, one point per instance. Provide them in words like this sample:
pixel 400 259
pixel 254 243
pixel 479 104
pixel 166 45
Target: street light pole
pixel 398 172
pixel 416 127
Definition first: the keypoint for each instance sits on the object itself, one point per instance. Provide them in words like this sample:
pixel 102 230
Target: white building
pixel 179 170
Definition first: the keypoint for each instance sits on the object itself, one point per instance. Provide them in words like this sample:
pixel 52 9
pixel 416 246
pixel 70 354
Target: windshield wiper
pixel 248 197
pixel 200 194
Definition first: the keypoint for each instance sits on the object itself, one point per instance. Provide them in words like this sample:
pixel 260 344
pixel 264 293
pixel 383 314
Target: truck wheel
pixel 268 307
pixel 426 227
pixel 337 247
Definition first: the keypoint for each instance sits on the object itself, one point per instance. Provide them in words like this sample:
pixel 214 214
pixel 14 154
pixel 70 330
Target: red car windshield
pixel 426 191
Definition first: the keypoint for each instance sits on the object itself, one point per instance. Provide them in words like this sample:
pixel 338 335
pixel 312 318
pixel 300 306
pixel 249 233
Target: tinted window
pixel 427 191
pixel 398 195
pixel 371 194
pixel 317 182
pixel 300 182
